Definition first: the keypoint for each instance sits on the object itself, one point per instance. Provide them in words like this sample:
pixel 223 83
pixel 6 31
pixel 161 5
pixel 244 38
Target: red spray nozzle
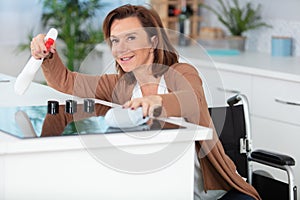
pixel 49 43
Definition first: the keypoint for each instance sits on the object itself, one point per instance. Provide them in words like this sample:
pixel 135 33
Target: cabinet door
pixel 276 119
pixel 277 137
pixel 221 85
pixel 276 99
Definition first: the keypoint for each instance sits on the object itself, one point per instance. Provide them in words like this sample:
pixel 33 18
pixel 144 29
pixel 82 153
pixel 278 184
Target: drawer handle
pixel 287 102
pixel 228 90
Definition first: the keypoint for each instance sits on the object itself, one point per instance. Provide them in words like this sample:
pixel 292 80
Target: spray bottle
pixel 28 73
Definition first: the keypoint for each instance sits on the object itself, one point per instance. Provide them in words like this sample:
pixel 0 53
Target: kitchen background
pixel 18 18
pixel 283 16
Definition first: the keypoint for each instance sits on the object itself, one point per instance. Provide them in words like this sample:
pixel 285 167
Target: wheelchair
pixel 232 123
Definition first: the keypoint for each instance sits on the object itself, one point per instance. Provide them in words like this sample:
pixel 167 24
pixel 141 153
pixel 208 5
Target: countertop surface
pixel 260 64
pixel 38 94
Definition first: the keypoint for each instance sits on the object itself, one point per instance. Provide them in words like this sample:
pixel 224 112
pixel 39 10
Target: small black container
pixel 53 107
pixel 71 106
pixel 89 105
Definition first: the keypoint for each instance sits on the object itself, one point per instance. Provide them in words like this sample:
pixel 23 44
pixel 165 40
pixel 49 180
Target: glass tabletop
pixel 37 121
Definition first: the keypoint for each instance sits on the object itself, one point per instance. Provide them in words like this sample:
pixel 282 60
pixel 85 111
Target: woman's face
pixel 131 46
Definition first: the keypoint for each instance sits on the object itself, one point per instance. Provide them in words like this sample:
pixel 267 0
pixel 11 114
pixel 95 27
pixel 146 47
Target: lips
pixel 126 58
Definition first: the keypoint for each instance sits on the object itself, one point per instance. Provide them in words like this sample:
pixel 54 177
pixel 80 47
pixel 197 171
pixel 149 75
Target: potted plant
pixel 238 19
pixel 73 20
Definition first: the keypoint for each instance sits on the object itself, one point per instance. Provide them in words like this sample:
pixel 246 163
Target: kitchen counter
pixel 261 64
pixel 92 166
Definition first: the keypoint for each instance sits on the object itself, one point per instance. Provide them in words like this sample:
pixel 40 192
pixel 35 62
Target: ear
pixel 154 41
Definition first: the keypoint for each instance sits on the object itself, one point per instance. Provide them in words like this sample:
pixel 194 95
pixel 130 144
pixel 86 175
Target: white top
pixel 199 193
pixel 162 89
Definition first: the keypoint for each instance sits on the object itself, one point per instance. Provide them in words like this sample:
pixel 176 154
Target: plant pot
pixel 236 42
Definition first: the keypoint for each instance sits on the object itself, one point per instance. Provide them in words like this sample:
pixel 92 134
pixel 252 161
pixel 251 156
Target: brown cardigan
pixel 185 88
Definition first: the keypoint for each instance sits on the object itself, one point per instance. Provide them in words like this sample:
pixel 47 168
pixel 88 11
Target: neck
pixel 149 89
pixel 147 82
pixel 144 75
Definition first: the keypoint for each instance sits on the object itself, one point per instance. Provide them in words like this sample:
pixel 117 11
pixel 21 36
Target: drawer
pixel 276 99
pixel 279 137
pixel 220 85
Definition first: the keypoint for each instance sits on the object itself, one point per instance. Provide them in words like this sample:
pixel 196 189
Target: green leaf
pixel 73 20
pixel 238 19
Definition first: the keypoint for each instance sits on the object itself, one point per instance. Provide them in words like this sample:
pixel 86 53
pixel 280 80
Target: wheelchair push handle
pixel 237 98
pixel 233 100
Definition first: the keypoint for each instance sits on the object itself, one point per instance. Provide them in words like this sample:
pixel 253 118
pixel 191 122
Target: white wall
pixel 17 19
pixel 282 15
pixel 282 10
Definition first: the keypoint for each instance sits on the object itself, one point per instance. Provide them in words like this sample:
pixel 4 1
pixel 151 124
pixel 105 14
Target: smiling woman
pixel 133 48
pixel 151 78
pixel 147 21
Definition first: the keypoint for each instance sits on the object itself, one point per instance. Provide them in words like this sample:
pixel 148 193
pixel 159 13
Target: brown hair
pixel 165 54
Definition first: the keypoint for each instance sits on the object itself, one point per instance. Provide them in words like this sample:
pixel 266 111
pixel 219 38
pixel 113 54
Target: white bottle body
pixel 27 75
pixel 25 78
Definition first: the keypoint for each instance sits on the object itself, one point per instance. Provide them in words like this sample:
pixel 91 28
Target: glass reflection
pixel 34 121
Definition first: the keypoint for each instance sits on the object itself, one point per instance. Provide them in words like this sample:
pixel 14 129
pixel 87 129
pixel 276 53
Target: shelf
pixel 172 22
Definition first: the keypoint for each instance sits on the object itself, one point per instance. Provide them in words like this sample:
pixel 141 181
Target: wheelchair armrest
pixel 271 157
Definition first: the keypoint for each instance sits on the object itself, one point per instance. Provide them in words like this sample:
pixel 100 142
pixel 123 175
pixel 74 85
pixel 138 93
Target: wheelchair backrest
pixel 229 122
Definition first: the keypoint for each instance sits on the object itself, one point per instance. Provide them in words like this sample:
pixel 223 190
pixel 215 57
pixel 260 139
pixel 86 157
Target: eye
pixel 131 38
pixel 114 41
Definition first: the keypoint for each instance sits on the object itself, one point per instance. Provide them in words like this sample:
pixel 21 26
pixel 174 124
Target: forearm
pixel 57 75
pixel 181 104
pixel 186 96
pixel 66 81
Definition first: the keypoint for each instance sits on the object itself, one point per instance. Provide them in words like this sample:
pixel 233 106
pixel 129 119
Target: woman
pixel 150 76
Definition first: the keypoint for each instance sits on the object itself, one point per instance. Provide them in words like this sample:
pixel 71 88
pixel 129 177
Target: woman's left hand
pixel 152 105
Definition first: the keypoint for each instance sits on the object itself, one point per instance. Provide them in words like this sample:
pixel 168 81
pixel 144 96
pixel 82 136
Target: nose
pixel 120 48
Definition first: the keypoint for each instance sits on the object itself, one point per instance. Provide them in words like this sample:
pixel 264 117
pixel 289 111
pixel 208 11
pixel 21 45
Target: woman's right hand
pixel 151 105
pixel 38 48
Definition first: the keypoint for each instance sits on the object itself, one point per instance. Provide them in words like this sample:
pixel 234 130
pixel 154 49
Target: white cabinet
pixel 274 107
pixel 279 137
pixel 220 85
pixel 276 118
pixel 275 99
